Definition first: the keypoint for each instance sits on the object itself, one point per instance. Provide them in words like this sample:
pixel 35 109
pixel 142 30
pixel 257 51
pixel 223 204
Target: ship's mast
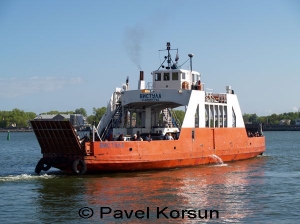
pixel 191 56
pixel 168 58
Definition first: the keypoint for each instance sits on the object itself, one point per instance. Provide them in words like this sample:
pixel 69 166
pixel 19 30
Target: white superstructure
pixel 149 109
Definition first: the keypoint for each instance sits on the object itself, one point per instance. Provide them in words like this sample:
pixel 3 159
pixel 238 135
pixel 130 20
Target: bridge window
pixel 233 118
pixel 225 116
pixel 157 76
pixel 197 117
pixel 175 76
pixel 166 76
pixel 183 75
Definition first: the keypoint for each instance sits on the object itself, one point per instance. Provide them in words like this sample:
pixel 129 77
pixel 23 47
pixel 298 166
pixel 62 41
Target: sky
pixel 65 55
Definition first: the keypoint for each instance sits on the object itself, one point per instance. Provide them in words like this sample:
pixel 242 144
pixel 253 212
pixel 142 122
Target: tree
pixel 273 119
pixel 58 112
pixel 81 111
pixel 262 119
pixel 246 118
pixel 4 119
pixel 250 118
pixel 97 115
pixel 253 118
pixel 180 115
pixel 16 116
pixel 51 112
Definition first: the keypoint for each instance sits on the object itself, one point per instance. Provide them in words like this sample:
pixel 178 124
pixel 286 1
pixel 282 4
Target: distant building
pixel 285 122
pixel 13 125
pixel 57 117
pixel 297 121
pixel 75 119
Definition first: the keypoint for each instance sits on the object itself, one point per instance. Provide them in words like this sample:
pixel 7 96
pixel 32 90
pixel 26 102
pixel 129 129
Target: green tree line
pixel 271 119
pixel 15 118
pixel 20 119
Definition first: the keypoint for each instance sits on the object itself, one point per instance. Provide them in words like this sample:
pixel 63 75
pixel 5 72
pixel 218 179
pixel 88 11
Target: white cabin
pixel 176 79
pixel 149 110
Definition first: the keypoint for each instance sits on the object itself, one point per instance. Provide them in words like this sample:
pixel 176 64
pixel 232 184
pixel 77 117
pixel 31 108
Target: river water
pixel 260 190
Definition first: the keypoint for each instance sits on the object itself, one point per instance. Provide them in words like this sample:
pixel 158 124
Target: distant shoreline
pixel 264 128
pixel 277 127
pixel 16 130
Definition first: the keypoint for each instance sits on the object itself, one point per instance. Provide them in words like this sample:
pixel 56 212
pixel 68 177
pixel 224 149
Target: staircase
pixel 112 116
pixel 169 117
pixel 113 122
pixel 175 120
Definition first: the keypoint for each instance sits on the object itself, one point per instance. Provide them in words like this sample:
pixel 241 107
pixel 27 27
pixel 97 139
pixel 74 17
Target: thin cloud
pixel 14 87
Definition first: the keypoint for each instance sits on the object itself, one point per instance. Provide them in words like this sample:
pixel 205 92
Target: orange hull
pixel 212 127
pixel 230 144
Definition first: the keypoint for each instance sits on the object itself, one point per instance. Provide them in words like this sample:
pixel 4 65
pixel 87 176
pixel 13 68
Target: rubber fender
pixel 43 164
pixel 79 167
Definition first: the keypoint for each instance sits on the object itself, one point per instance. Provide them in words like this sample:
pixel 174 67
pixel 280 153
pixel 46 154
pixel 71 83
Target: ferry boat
pixel 140 130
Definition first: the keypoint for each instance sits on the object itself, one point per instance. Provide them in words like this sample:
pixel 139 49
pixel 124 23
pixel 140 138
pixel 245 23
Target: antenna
pixel 168 58
pixel 191 55
pixel 127 82
pixel 177 57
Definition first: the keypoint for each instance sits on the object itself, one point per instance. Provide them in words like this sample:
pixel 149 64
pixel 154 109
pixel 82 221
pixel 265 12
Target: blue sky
pixel 63 55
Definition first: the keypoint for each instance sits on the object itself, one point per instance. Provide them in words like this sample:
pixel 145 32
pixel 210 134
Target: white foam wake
pixel 25 177
pixel 217 160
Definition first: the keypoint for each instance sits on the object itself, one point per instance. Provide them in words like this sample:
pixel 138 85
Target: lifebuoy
pixel 43 164
pixel 185 85
pixel 79 167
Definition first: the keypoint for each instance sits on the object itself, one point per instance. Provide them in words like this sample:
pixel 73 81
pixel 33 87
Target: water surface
pixel 260 190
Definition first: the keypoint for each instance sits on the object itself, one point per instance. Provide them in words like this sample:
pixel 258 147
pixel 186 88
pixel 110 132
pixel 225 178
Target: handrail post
pixel 93 131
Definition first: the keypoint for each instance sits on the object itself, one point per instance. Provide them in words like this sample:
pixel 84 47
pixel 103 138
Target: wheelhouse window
pixel 183 75
pixel 166 76
pixel 233 119
pixel 157 77
pixel 175 76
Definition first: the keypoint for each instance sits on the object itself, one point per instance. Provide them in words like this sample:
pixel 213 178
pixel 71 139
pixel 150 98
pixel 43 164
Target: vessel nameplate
pixel 150 96
pixel 108 145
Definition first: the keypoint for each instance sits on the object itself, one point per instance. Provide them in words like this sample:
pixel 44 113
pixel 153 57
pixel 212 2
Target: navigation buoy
pixel 8 135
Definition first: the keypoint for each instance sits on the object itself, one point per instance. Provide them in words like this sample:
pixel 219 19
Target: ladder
pixel 169 116
pixel 113 122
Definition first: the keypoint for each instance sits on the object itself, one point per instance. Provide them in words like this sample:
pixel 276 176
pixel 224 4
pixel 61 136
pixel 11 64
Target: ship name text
pixel 150 96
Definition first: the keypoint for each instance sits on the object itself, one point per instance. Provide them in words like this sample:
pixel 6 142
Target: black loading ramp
pixel 57 137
